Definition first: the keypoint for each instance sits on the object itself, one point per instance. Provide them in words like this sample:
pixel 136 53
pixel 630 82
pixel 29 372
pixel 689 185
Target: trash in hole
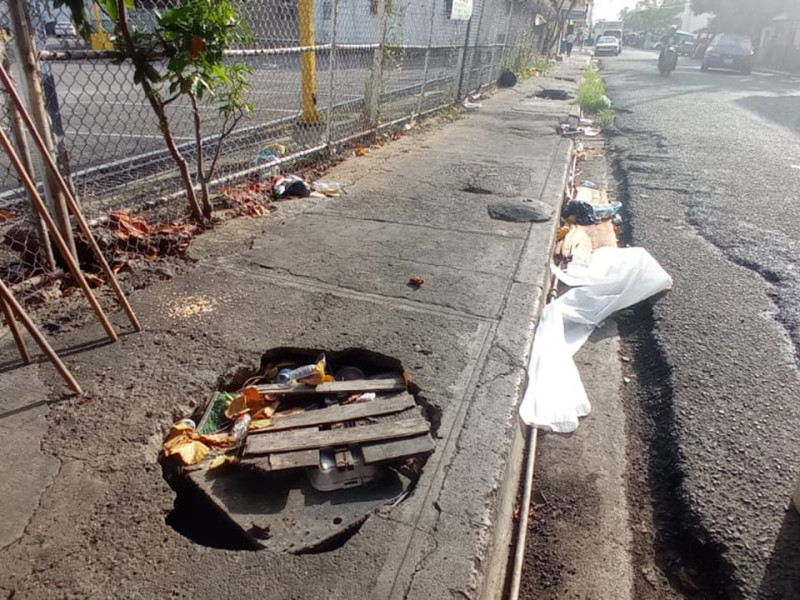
pixel 294 456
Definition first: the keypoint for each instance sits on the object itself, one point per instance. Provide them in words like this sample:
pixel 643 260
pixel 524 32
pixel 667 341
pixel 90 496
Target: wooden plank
pixel 375 452
pixel 304 439
pixel 282 461
pixel 339 413
pixel 335 387
pixel 294 460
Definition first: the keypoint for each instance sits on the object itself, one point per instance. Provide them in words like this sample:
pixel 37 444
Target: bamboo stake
pixel 7 297
pixel 12 325
pixel 72 202
pixel 38 203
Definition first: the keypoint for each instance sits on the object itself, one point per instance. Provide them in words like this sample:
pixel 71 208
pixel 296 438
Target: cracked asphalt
pixel 710 165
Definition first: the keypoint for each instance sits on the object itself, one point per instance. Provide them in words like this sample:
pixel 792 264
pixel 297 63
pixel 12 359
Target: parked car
pixel 729 51
pixel 616 33
pixel 64 28
pixel 607 45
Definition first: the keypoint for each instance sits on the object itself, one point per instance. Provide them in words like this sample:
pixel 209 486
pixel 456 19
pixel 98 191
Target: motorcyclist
pixel 668 39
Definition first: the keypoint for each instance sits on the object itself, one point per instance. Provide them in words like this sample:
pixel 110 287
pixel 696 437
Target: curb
pixel 503 540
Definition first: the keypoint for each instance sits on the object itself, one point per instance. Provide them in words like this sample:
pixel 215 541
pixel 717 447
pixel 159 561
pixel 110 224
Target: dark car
pixel 729 51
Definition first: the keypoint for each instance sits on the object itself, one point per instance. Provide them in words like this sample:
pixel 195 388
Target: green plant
pixel 525 60
pixel 604 117
pixel 592 93
pixel 193 38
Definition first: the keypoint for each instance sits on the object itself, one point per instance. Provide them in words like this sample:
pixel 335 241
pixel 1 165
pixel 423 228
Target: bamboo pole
pixel 28 62
pixel 23 149
pixel 38 203
pixel 12 325
pixel 8 298
pixel 72 202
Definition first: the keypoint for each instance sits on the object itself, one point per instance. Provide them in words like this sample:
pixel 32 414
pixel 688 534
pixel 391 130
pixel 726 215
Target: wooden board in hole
pixel 304 439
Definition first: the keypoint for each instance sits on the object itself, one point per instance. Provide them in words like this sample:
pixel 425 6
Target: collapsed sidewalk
pixel 89 517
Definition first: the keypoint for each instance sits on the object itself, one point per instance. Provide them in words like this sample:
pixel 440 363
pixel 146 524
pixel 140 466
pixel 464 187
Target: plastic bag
pixel 614 279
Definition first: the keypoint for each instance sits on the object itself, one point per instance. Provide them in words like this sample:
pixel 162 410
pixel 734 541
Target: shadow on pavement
pixel 784 110
pixel 782 577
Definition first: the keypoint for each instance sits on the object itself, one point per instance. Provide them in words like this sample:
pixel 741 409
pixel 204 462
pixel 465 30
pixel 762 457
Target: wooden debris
pixel 308 438
pixel 334 387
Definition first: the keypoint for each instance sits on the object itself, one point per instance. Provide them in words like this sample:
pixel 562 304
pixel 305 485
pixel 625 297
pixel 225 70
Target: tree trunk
pixel 157 104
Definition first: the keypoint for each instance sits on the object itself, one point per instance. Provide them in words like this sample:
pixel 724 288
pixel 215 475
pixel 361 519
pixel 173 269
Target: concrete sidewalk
pixel 83 499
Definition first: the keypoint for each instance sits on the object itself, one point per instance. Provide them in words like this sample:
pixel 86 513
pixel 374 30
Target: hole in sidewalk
pixel 554 94
pixel 322 458
pixel 475 189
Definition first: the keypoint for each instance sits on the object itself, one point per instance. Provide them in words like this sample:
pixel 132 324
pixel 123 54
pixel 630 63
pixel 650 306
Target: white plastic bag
pixel 614 279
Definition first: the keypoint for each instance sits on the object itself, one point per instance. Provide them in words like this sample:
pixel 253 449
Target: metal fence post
pixel 372 100
pixel 504 53
pixel 427 58
pixel 33 93
pixel 475 47
pixel 332 75
pixel 463 60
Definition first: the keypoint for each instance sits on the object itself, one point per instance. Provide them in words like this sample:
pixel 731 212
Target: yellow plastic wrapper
pixel 190 446
pixel 259 424
pixel 249 400
pixel 317 376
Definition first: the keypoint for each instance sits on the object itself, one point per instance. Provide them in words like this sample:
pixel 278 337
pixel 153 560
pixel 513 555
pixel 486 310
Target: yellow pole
pixel 99 39
pixel 308 62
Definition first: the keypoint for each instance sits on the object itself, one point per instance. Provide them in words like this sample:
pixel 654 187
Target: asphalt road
pixel 710 165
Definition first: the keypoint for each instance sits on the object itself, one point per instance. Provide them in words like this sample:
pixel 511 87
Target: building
pixel 779 47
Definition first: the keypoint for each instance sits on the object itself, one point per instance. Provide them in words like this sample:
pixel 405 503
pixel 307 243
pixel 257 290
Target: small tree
pixel 192 38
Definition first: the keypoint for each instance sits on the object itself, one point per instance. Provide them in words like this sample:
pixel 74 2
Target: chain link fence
pixel 371 64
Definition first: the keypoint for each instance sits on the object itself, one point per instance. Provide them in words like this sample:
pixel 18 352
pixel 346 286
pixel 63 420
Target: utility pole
pixel 308 61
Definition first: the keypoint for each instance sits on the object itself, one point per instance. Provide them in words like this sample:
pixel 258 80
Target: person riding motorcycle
pixel 667 40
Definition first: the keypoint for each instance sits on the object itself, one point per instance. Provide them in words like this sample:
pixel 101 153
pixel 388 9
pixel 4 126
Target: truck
pixel 612 28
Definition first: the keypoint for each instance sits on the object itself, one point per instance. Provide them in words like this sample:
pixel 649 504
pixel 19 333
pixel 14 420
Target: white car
pixel 64 28
pixel 607 45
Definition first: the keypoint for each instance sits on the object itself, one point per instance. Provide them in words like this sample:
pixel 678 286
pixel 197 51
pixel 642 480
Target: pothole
pixel 553 94
pixel 475 189
pixel 346 436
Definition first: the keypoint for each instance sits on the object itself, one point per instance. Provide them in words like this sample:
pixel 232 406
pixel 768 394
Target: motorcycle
pixel 668 60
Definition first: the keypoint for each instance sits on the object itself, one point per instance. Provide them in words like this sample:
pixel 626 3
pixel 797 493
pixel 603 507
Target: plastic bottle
pixel 239 430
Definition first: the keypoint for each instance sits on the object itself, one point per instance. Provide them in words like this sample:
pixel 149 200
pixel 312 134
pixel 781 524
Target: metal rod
pixel 522 537
pixel 332 75
pixel 427 58
pixel 12 325
pixel 38 204
pixel 8 297
pixel 72 203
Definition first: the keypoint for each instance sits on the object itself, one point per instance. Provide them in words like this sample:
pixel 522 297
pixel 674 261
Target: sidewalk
pixel 84 501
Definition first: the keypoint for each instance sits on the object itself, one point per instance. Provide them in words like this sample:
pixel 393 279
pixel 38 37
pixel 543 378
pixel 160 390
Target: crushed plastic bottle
pixel 239 429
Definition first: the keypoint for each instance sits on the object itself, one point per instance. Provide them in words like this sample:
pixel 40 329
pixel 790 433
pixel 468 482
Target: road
pixel 709 164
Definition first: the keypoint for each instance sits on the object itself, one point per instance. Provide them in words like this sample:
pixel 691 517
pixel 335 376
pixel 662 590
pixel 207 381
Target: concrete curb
pixel 501 546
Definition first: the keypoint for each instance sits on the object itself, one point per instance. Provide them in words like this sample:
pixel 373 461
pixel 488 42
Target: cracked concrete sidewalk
pixel 83 499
